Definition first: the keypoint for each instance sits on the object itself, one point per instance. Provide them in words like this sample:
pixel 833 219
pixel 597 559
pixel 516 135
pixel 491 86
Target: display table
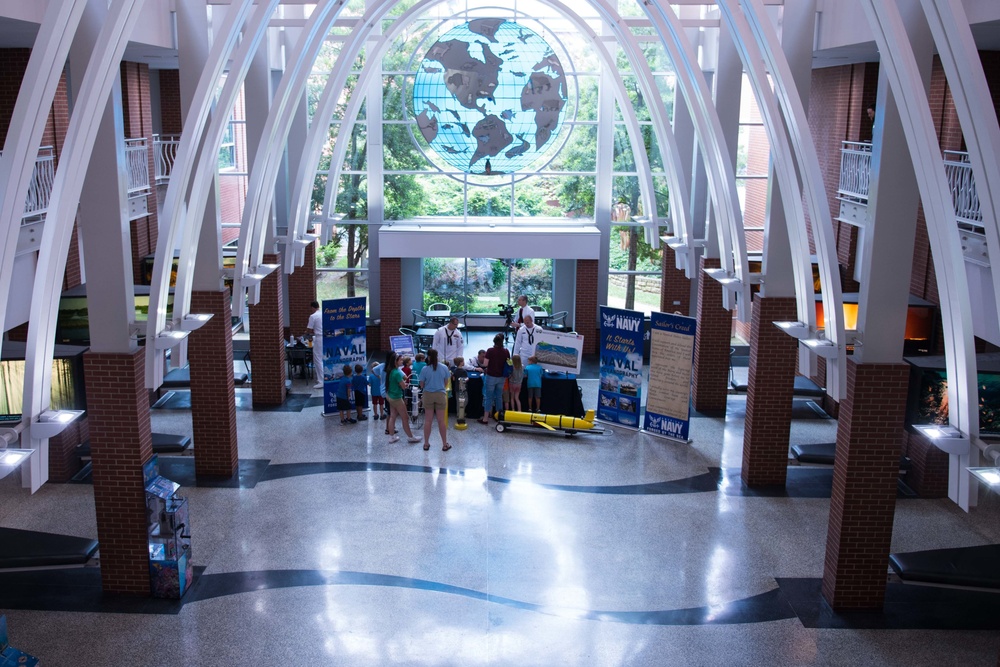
pixel 560 396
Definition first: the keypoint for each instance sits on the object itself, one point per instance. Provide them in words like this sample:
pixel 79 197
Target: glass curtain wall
pixel 479 285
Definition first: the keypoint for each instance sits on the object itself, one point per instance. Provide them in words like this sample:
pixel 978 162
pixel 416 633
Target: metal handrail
pixel 962 183
pixel 137 165
pixel 855 167
pixel 40 189
pixel 164 154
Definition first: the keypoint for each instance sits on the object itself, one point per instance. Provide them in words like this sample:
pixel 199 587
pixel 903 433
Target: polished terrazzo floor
pixel 510 549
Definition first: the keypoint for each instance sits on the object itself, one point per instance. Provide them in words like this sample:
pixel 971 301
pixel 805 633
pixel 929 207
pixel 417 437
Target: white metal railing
pixel 963 190
pixel 137 164
pixel 164 154
pixel 855 166
pixel 40 190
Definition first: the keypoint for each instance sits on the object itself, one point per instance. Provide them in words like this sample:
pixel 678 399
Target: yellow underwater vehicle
pixel 552 423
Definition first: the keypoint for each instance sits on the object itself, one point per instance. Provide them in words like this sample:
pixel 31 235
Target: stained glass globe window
pixel 489 97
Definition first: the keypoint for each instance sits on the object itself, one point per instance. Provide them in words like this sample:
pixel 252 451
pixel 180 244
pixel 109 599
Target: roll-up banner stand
pixel 343 343
pixel 668 405
pixel 619 397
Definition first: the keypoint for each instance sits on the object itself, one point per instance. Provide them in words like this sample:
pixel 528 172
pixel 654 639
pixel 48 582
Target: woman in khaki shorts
pixel 434 387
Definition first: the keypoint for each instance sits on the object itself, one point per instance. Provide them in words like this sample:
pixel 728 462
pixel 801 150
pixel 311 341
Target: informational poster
pixel 343 343
pixel 619 397
pixel 668 406
pixel 559 352
pixel 401 345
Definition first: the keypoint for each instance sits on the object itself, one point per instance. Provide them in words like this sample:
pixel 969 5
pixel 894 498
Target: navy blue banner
pixel 343 343
pixel 621 366
pixel 671 358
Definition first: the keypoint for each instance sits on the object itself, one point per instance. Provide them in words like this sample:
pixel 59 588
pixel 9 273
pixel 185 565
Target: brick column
pixel 213 396
pixel 675 293
pixel 302 292
pixel 711 345
pixel 118 414
pixel 585 320
pixel 267 342
pixel 773 357
pixel 869 436
pixel 391 276
pixel 928 475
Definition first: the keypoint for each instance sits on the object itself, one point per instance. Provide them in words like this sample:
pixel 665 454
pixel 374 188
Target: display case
pixel 921 320
pixel 927 398
pixel 73 323
pixel 68 388
pixel 170 568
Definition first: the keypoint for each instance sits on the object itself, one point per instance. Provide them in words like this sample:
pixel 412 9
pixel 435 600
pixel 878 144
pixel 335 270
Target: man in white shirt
pixel 523 311
pixel 315 326
pixel 448 342
pixel 526 339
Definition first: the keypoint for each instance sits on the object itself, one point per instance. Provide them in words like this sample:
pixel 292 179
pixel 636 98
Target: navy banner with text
pixel 343 343
pixel 621 366
pixel 671 358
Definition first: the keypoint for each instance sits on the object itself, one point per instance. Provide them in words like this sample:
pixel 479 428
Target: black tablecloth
pixel 560 396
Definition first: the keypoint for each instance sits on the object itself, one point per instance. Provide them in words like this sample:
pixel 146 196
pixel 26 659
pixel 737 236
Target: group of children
pixel 353 387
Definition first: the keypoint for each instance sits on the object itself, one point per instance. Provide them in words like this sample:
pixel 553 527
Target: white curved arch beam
pixel 708 129
pixel 102 70
pixel 27 123
pixel 677 182
pixel 967 81
pixel 174 216
pixel 762 46
pixel 372 66
pixel 206 162
pixel 264 172
pixel 900 66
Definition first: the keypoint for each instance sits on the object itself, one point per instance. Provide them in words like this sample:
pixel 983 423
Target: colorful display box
pixel 10 656
pixel 171 571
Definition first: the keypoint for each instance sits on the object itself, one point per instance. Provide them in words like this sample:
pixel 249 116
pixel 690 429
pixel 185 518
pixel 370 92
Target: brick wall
pixel 869 442
pixel 773 358
pixel 302 292
pixel 267 341
pixel 711 345
pixel 213 395
pixel 675 287
pixel 118 411
pixel 170 101
pixel 586 304
pixel 391 275
pixel 64 462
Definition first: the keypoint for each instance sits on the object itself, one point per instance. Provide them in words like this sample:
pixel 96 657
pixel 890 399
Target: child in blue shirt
pixel 359 383
pixel 345 389
pixel 533 374
pixel 419 362
pixel 378 398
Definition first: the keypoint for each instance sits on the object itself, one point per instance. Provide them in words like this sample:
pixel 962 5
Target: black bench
pixel 973 567
pixel 163 443
pixel 802 386
pixel 180 378
pixel 823 454
pixel 29 548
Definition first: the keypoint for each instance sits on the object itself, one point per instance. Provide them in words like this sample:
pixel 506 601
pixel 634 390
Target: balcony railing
pixel 963 190
pixel 855 166
pixel 137 164
pixel 40 189
pixel 164 154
